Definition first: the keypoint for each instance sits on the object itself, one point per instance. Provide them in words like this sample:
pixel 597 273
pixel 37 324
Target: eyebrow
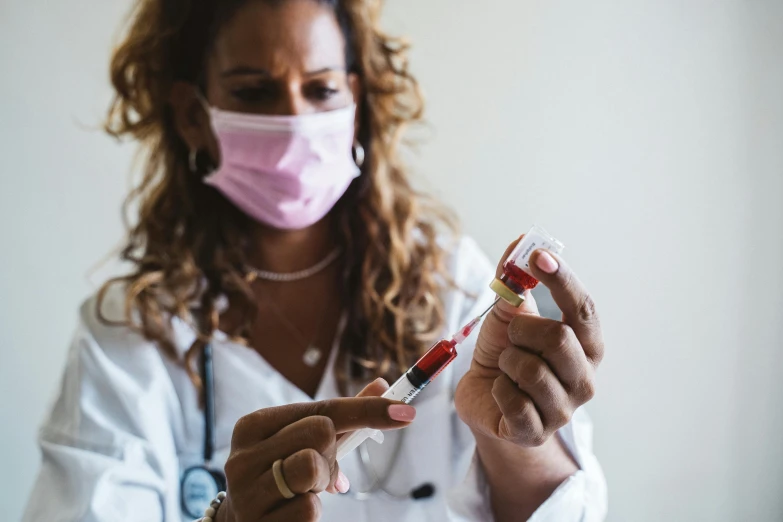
pixel 324 70
pixel 245 70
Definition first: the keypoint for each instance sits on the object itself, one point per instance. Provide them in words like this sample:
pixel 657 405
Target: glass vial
pixel 516 276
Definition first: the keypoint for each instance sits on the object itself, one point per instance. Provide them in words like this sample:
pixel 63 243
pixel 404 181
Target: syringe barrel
pixel 405 389
pixel 402 390
pixel 352 440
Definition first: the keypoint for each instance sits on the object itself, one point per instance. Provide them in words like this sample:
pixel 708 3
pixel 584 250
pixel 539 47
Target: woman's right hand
pixel 304 436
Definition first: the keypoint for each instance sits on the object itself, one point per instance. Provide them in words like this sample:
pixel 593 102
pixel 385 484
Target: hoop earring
pixel 358 153
pixel 193 160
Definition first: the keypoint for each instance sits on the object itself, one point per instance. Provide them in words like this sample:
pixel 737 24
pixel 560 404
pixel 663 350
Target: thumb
pixel 375 389
pixel 493 336
pixel 505 311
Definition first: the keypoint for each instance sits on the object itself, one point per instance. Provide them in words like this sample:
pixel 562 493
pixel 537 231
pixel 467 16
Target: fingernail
pixel 341 484
pixel 546 262
pixel 402 412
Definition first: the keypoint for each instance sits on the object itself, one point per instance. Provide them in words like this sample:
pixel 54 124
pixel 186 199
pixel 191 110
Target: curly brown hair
pixel 188 246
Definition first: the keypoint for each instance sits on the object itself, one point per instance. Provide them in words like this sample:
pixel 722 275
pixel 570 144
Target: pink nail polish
pixel 341 484
pixel 547 263
pixel 402 412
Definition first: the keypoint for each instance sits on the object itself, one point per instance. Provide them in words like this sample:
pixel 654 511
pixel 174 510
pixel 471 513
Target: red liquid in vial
pixel 517 279
pixel 436 358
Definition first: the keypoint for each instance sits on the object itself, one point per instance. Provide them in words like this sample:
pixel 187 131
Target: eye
pixel 321 91
pixel 324 93
pixel 253 94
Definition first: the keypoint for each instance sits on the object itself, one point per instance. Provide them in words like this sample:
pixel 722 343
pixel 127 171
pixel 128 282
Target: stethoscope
pixel 378 484
pixel 201 483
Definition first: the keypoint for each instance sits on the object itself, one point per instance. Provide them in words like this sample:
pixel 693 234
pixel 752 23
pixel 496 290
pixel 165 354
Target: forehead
pixel 280 37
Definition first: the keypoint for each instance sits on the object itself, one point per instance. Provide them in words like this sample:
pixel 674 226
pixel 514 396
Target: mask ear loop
pixel 203 100
pixel 193 154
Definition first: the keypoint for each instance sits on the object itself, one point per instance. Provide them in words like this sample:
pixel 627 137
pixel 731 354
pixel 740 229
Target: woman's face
pixel 275 58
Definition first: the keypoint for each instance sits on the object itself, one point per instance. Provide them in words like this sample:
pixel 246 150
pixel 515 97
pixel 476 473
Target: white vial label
pixel 536 238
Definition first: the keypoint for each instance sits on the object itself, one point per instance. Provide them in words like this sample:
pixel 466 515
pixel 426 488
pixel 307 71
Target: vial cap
pixel 506 293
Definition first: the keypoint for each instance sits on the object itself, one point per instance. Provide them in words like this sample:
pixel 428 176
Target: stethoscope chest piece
pixel 199 486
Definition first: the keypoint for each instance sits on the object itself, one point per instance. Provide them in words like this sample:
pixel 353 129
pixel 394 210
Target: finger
pixel 315 432
pixel 572 297
pixel 505 311
pixel 302 508
pixel 307 470
pixel 365 412
pixel 375 389
pixel 530 306
pixel 533 376
pixel 520 423
pixel 553 341
pixel 319 431
pixel 346 413
pixel 304 471
pixel 493 336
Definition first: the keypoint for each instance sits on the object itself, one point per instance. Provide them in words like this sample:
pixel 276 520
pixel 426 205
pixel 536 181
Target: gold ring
pixel 277 472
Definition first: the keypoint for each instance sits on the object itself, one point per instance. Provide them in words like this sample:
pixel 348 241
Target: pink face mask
pixel 285 171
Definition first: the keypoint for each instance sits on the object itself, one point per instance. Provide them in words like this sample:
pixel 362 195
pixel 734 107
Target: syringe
pixel 410 384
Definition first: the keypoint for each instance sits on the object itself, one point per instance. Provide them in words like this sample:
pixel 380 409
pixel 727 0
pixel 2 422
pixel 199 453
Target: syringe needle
pixel 482 314
pixel 465 331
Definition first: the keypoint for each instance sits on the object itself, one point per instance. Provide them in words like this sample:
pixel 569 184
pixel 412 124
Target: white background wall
pixel 647 135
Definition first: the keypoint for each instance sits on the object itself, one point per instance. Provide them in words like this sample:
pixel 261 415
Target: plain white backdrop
pixel 647 135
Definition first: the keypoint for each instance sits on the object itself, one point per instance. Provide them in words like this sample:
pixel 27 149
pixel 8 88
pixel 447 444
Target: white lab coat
pixel 127 423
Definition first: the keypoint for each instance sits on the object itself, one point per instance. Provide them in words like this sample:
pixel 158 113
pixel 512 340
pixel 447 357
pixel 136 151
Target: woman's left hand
pixel 529 373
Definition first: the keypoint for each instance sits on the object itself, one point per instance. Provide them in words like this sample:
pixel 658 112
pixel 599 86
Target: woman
pixel 304 273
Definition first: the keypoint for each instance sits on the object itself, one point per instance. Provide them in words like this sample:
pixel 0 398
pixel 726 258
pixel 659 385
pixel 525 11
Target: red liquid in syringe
pixel 435 360
pixel 441 354
pixel 418 376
